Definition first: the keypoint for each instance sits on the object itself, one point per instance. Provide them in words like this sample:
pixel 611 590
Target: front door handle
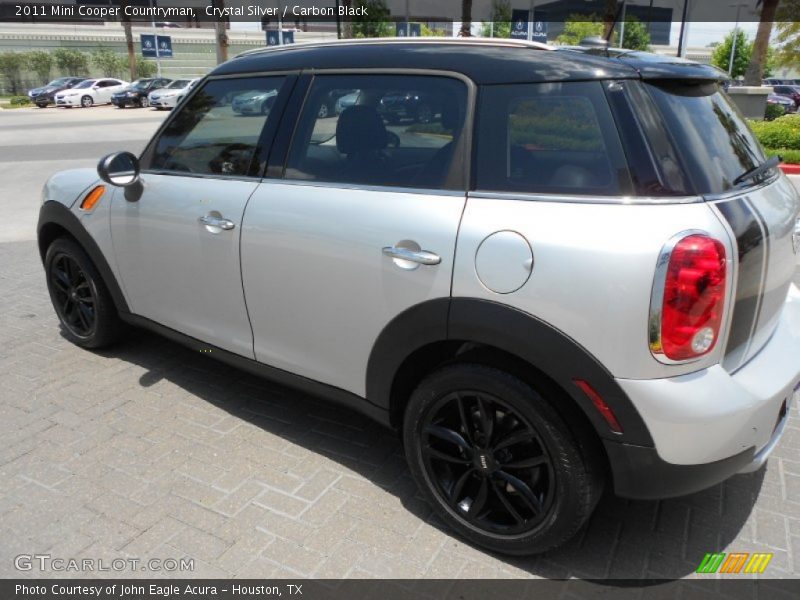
pixel 219 222
pixel 422 257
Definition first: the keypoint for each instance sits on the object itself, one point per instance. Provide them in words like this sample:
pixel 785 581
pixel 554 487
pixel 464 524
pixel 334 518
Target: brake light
pixel 688 298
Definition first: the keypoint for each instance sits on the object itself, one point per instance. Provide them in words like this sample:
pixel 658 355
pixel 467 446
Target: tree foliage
pixel 72 62
pixel 146 68
pixel 577 27
pixel 788 34
pixel 109 62
pixel 11 64
pixel 722 54
pixel 376 21
pixel 41 63
pixel 636 36
pixel 499 24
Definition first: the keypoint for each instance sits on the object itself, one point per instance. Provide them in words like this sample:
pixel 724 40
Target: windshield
pixel 59 82
pixel 85 84
pixel 711 135
pixel 180 83
pixel 141 84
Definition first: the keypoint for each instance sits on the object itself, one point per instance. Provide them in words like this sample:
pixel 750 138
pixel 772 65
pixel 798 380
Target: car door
pixel 102 91
pixel 355 233
pixel 176 243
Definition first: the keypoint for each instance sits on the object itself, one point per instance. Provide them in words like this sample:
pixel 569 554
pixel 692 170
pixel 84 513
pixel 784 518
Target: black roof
pixel 485 62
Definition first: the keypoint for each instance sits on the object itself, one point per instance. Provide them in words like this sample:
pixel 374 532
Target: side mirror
pixel 120 169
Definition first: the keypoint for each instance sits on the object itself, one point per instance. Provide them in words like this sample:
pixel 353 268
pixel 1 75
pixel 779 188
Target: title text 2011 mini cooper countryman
pixel 575 272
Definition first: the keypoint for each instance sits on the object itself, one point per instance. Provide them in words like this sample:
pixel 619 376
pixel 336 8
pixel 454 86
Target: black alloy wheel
pixel 497 461
pixel 487 462
pixel 74 297
pixel 79 296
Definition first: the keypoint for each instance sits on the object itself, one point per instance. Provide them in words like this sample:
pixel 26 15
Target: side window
pixel 554 138
pixel 217 131
pixel 392 130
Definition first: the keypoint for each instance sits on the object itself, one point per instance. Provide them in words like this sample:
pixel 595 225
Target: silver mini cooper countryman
pixel 549 271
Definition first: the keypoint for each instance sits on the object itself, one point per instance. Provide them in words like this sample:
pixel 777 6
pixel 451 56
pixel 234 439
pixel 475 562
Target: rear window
pixel 553 138
pixel 715 144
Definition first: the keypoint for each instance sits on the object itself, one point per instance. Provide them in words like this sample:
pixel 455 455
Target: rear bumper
pixel 709 425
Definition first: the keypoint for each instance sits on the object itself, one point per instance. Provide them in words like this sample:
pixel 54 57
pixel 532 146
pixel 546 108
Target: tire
pixel 144 102
pixel 80 298
pixel 548 479
pixel 324 111
pixel 86 101
pixel 40 105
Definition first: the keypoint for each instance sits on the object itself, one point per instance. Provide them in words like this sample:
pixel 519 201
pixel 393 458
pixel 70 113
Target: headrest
pixel 360 129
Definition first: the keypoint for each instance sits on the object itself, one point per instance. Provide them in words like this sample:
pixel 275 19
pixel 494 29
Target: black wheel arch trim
pixel 512 331
pixel 54 214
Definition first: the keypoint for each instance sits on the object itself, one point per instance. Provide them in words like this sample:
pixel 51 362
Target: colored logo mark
pixel 735 562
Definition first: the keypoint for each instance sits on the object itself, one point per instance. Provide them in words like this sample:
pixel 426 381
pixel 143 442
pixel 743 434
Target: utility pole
pixel 222 35
pixel 155 38
pixel 684 34
pixel 531 20
pixel 735 37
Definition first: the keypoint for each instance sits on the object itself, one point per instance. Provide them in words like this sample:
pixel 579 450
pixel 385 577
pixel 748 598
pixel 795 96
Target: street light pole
pixel 155 38
pixel 531 20
pixel 735 38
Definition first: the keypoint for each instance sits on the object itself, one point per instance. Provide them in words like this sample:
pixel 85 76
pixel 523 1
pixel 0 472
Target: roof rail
pixel 477 41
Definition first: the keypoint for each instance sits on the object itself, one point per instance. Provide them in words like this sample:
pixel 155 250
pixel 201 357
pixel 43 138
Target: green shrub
pixel 787 156
pixel 110 63
pixel 773 111
pixel 19 101
pixel 72 62
pixel 783 132
pixel 146 68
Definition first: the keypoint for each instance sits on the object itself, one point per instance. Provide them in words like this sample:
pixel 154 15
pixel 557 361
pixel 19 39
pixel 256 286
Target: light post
pixel 738 7
pixel 155 38
pixel 531 20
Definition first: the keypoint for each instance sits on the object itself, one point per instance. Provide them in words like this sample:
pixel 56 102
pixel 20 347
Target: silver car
pixel 576 275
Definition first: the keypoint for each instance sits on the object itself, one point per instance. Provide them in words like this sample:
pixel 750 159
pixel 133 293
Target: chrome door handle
pixel 212 221
pixel 422 257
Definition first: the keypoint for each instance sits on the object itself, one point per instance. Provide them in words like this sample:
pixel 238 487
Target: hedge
pixel 783 132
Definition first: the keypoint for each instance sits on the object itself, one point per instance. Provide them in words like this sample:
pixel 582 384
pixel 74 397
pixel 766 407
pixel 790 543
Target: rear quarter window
pixel 712 138
pixel 549 138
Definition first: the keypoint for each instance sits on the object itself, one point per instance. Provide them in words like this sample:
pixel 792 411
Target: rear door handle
pixel 212 221
pixel 422 257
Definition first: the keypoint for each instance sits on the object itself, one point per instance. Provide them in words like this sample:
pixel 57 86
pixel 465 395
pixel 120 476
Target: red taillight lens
pixel 694 298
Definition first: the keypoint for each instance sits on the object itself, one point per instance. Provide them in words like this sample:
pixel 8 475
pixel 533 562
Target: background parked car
pixel 784 102
pixel 89 92
pixel 399 105
pixel 170 95
pixel 136 93
pixel 255 102
pixel 42 96
pixel 790 91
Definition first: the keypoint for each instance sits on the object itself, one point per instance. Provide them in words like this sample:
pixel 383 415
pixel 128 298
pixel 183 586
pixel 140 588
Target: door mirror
pixel 120 169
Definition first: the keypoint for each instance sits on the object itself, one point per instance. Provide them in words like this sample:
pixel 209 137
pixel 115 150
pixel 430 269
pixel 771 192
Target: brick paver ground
pixel 150 450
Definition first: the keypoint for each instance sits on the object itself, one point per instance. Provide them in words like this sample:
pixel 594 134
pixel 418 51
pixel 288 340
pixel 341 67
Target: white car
pixel 89 92
pixel 168 97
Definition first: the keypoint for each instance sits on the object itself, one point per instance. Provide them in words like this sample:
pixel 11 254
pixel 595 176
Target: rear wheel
pixel 41 105
pixel 497 461
pixel 81 300
pixel 86 101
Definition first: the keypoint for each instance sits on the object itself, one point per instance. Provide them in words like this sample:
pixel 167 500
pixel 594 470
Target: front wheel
pixel 86 101
pixel 144 102
pixel 497 462
pixel 81 300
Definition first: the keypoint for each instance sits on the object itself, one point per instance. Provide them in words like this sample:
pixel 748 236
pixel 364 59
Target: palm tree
pixel 126 24
pixel 466 18
pixel 609 17
pixel 755 70
pixel 222 35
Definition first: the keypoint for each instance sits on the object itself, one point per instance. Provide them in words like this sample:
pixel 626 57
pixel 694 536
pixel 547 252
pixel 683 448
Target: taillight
pixel 688 297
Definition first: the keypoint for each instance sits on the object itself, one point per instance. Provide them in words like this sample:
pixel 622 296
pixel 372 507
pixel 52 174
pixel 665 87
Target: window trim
pixel 458 177
pixel 266 136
